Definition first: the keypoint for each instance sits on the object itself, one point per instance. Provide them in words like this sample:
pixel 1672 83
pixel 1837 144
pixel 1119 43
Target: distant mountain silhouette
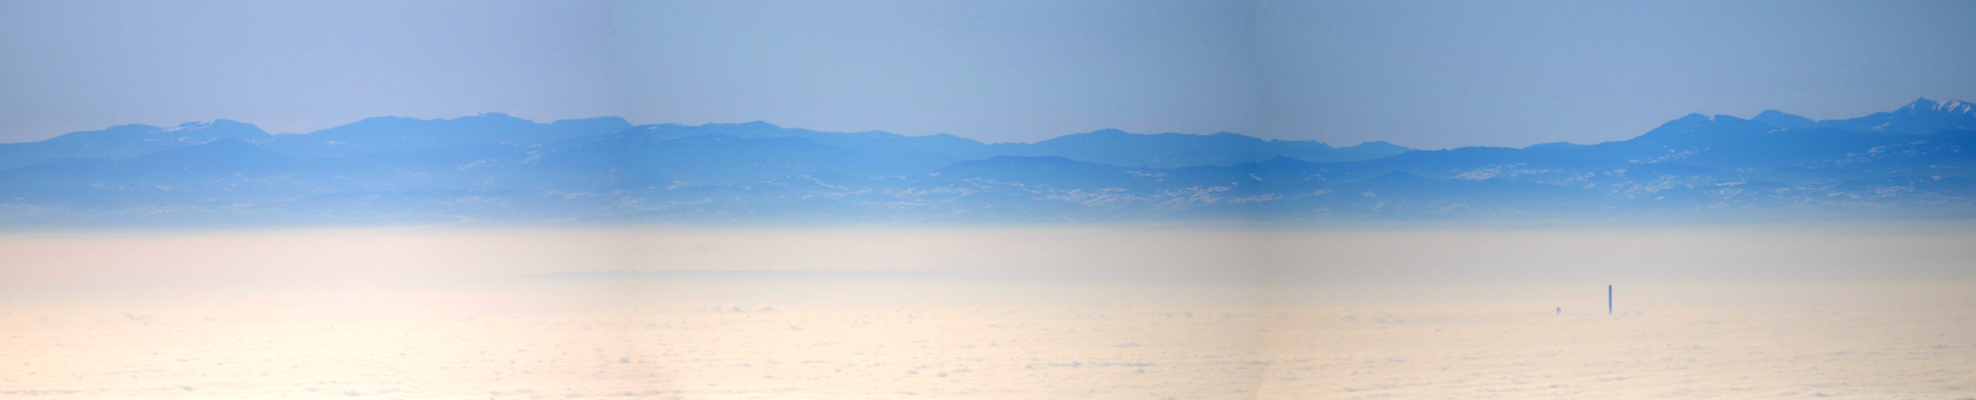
pixel 125 141
pixel 1916 161
pixel 1168 150
pixel 1921 117
pixel 398 133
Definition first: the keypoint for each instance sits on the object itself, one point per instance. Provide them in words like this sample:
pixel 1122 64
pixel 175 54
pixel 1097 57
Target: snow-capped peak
pixel 1943 106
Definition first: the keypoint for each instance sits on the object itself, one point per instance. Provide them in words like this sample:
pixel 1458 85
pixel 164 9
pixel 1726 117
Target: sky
pixel 1426 75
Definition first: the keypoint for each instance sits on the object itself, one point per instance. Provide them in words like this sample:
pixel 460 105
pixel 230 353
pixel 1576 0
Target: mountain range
pixel 1916 161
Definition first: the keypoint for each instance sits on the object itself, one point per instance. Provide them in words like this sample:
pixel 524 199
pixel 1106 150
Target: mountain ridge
pixel 496 168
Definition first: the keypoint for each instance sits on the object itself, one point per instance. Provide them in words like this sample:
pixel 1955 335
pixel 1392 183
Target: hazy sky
pixel 1418 74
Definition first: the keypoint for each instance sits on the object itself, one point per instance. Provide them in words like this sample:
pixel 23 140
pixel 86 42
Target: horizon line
pixel 635 125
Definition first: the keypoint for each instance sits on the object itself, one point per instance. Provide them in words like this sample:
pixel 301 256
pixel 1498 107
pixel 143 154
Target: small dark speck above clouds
pixel 1918 160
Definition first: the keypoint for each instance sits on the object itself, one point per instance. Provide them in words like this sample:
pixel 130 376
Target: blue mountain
pixel 1916 161
pixel 1168 150
pixel 126 141
pixel 399 133
pixel 1921 117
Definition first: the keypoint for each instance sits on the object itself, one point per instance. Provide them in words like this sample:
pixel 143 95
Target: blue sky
pixel 1432 75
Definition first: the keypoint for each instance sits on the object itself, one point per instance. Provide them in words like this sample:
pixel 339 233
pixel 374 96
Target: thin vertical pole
pixel 1608 299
